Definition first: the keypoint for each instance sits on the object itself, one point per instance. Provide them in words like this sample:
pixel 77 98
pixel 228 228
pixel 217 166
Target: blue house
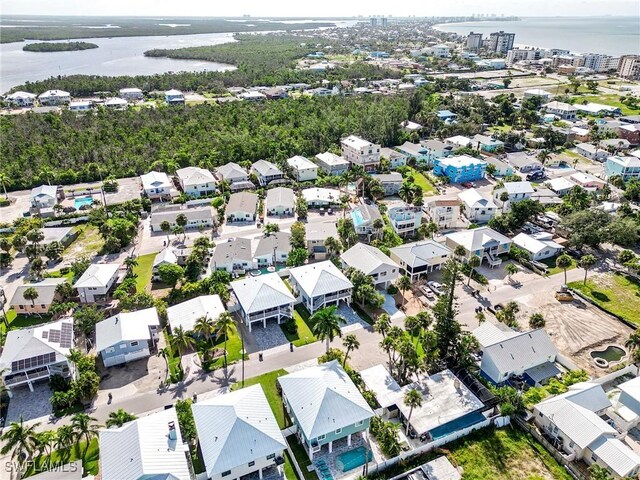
pixel 626 167
pixel 460 168
pixel 446 115
pixel 127 336
pixel 487 144
pixel 326 407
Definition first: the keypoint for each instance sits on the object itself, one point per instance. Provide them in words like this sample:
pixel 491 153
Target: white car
pixel 436 287
pixel 427 292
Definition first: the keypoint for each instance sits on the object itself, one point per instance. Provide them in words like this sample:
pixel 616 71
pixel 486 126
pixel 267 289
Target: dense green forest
pixel 63 28
pixel 58 47
pixel 68 148
pixel 264 60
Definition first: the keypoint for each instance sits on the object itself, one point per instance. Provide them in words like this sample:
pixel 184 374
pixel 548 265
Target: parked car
pixel 537 175
pixel 575 253
pixel 427 292
pixel 467 184
pixel 435 287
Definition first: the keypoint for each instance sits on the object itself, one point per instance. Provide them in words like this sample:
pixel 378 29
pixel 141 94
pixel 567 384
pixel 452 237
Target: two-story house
pixel 326 407
pixel 371 261
pixel 396 159
pixel 236 176
pixel 358 151
pixel 280 202
pixel 391 182
pixel 266 172
pixel 331 163
pixel 404 219
pixel 516 191
pixel 319 285
pixel 420 258
pixel 271 249
pixel 482 242
pixel 564 111
pixel 443 212
pixel 127 336
pixel 196 181
pixel 52 98
pixel 476 207
pixel 317 235
pixel 234 255
pixel 363 217
pixel 416 151
pixel 304 170
pixel 487 144
pixel 626 167
pixel 263 298
pixel 156 185
pixel 96 282
pixel 198 217
pixel 241 207
pixel 174 97
pixel 460 168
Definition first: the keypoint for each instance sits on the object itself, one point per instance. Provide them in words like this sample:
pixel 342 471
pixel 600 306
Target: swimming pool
pixel 357 218
pixel 353 459
pixel 81 201
pixel 458 424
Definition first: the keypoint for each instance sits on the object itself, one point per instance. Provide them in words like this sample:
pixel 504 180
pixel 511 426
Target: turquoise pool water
pixel 458 424
pixel 80 201
pixel 357 218
pixel 353 459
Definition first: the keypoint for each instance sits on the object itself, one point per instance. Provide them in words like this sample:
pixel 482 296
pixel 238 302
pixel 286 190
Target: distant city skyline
pixel 195 8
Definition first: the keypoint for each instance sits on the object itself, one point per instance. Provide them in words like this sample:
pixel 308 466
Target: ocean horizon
pixel 609 35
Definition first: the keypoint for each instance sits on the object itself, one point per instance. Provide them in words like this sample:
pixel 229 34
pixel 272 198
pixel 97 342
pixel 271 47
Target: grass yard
pixel 289 471
pixel 303 335
pixel 270 387
pixel 301 457
pixel 234 349
pixel 89 461
pixel 88 243
pixel 143 271
pixel 618 294
pixel 551 263
pixel 610 99
pixel 422 181
pixel 16 321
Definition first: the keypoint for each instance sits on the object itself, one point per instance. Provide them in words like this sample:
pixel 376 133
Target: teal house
pixel 325 406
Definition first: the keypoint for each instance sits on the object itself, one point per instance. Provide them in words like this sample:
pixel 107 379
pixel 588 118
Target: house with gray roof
pixel 482 242
pixel 281 201
pixel 420 258
pixel 363 217
pixel 516 191
pixel 235 175
pixel 373 262
pixel 396 159
pixel 197 217
pixel 185 315
pixel 234 255
pixel 196 181
pixel 304 170
pixel 331 163
pixel 271 249
pixel 266 172
pixel 391 182
pixel 319 285
pixel 96 282
pixel 263 298
pixel 241 207
pixel 46 289
pixel 325 406
pixel 316 236
pixel 44 196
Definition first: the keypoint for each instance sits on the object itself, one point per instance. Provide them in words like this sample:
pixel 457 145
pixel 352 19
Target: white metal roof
pixel 488 334
pixel 632 389
pixel 315 194
pixel 356 142
pixel 235 429
pixel 54 93
pixel 534 245
pixel 513 188
pixel 281 196
pixel 97 275
pixel 323 399
pixel 144 448
pixel 320 278
pixel 125 327
pixel 32 342
pixel 558 184
pixel 20 95
pixel 332 159
pixel 260 293
pixel 155 180
pixel 478 238
pixel 520 352
pixel 459 161
pixel 186 314
pixel 165 255
pixel 193 215
pixel 473 199
pixel 265 168
pixel 195 176
pixel 366 258
pixel 45 190
pixel 618 456
pixel 301 163
pixel 458 140
pixel 419 253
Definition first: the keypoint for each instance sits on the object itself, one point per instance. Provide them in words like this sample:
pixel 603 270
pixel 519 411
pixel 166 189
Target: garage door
pixel 129 357
pixel 115 360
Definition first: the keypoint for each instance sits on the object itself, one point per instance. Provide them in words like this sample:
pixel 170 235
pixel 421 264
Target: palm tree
pixel 333 246
pixel 564 261
pixel 474 262
pixel 378 226
pixel 225 326
pixel 481 317
pixel 164 353
pixel 350 342
pixel 459 252
pixel 543 156
pixel 406 192
pixel 66 438
pixel 4 181
pixel 85 426
pixel 404 284
pixel 166 228
pixel 344 203
pixel 130 263
pixel 511 269
pixel 181 341
pixel 504 198
pixel 382 324
pixel 412 399
pixel 204 327
pixel 46 441
pixel 587 262
pixel 31 294
pixel 536 320
pixel 20 440
pixel 326 324
pixel 119 418
pixel 633 344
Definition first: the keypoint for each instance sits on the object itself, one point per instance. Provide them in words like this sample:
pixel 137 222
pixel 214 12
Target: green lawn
pixel 89 462
pixel 616 293
pixel 269 385
pixel 611 99
pixel 22 321
pixel 420 180
pixel 143 271
pixel 234 349
pixel 303 335
pixel 551 263
pixel 301 457
pixel 289 471
pixel 496 454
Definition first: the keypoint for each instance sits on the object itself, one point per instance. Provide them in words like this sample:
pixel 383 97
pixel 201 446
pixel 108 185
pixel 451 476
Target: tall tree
pixel 412 399
pixel 326 324
pixel 31 294
pixel 564 262
pixel 586 263
pixel 404 284
pixel 119 418
pixel 350 342
pixel 225 327
pixel 382 324
pixel 85 426
pixel 181 341
pixel 473 262
pixel 20 440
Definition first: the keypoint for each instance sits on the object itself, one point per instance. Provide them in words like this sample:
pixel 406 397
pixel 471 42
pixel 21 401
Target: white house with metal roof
pixel 516 191
pixel 239 435
pixel 44 196
pixel 54 97
pixel 196 181
pixel 186 314
pixel 21 99
pixel 317 197
pixel 281 201
pixel 560 185
pixel 266 172
pixel 263 298
pixel 482 242
pixel 156 185
pixel 531 355
pixel 46 289
pixel 320 284
pixel 490 333
pixel 476 207
pixel 304 170
pixel 34 354
pixel 325 405
pixel 127 336
pixel 95 283
pixel 148 447
pixel 331 163
pixel 166 256
pixel 373 262
pixel 242 207
pixel 361 152
pixel 420 258
pixel 539 246
pixel 575 420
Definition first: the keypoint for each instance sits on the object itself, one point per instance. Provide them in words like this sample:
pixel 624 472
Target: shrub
pixel 290 327
pixel 392 289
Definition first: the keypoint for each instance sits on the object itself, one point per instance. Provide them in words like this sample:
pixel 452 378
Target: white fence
pixel 67 221
pixel 632 369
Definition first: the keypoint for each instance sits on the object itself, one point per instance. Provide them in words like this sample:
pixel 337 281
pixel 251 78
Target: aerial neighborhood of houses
pixel 349 313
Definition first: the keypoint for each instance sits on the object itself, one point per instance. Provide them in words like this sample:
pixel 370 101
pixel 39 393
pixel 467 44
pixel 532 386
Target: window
pixel 359 424
pixel 109 350
pixel 134 343
pixel 594 457
pixel 224 474
pixel 251 464
pixel 338 431
pixel 321 437
pixel 123 345
pixel 269 457
pixel 42 305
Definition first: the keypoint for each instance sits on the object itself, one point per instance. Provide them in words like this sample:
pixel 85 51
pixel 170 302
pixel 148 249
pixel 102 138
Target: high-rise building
pixel 384 22
pixel 374 22
pixel 601 63
pixel 474 41
pixel 629 67
pixel 501 42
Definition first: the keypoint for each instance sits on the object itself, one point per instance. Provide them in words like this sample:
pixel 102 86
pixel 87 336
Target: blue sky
pixel 322 8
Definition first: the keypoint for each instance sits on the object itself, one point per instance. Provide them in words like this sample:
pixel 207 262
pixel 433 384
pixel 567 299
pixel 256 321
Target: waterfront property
pixel 95 283
pixel 127 336
pixel 325 406
pixel 460 168
pixel 174 97
pixel 263 298
pixel 148 447
pixel 34 354
pixel 357 151
pixel 21 99
pixel 420 258
pixel 239 436
pixel 404 219
pixel 371 261
pixel 52 98
pixel 46 289
pixel 482 242
pixel 320 284
pixel 196 181
pixel 476 207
